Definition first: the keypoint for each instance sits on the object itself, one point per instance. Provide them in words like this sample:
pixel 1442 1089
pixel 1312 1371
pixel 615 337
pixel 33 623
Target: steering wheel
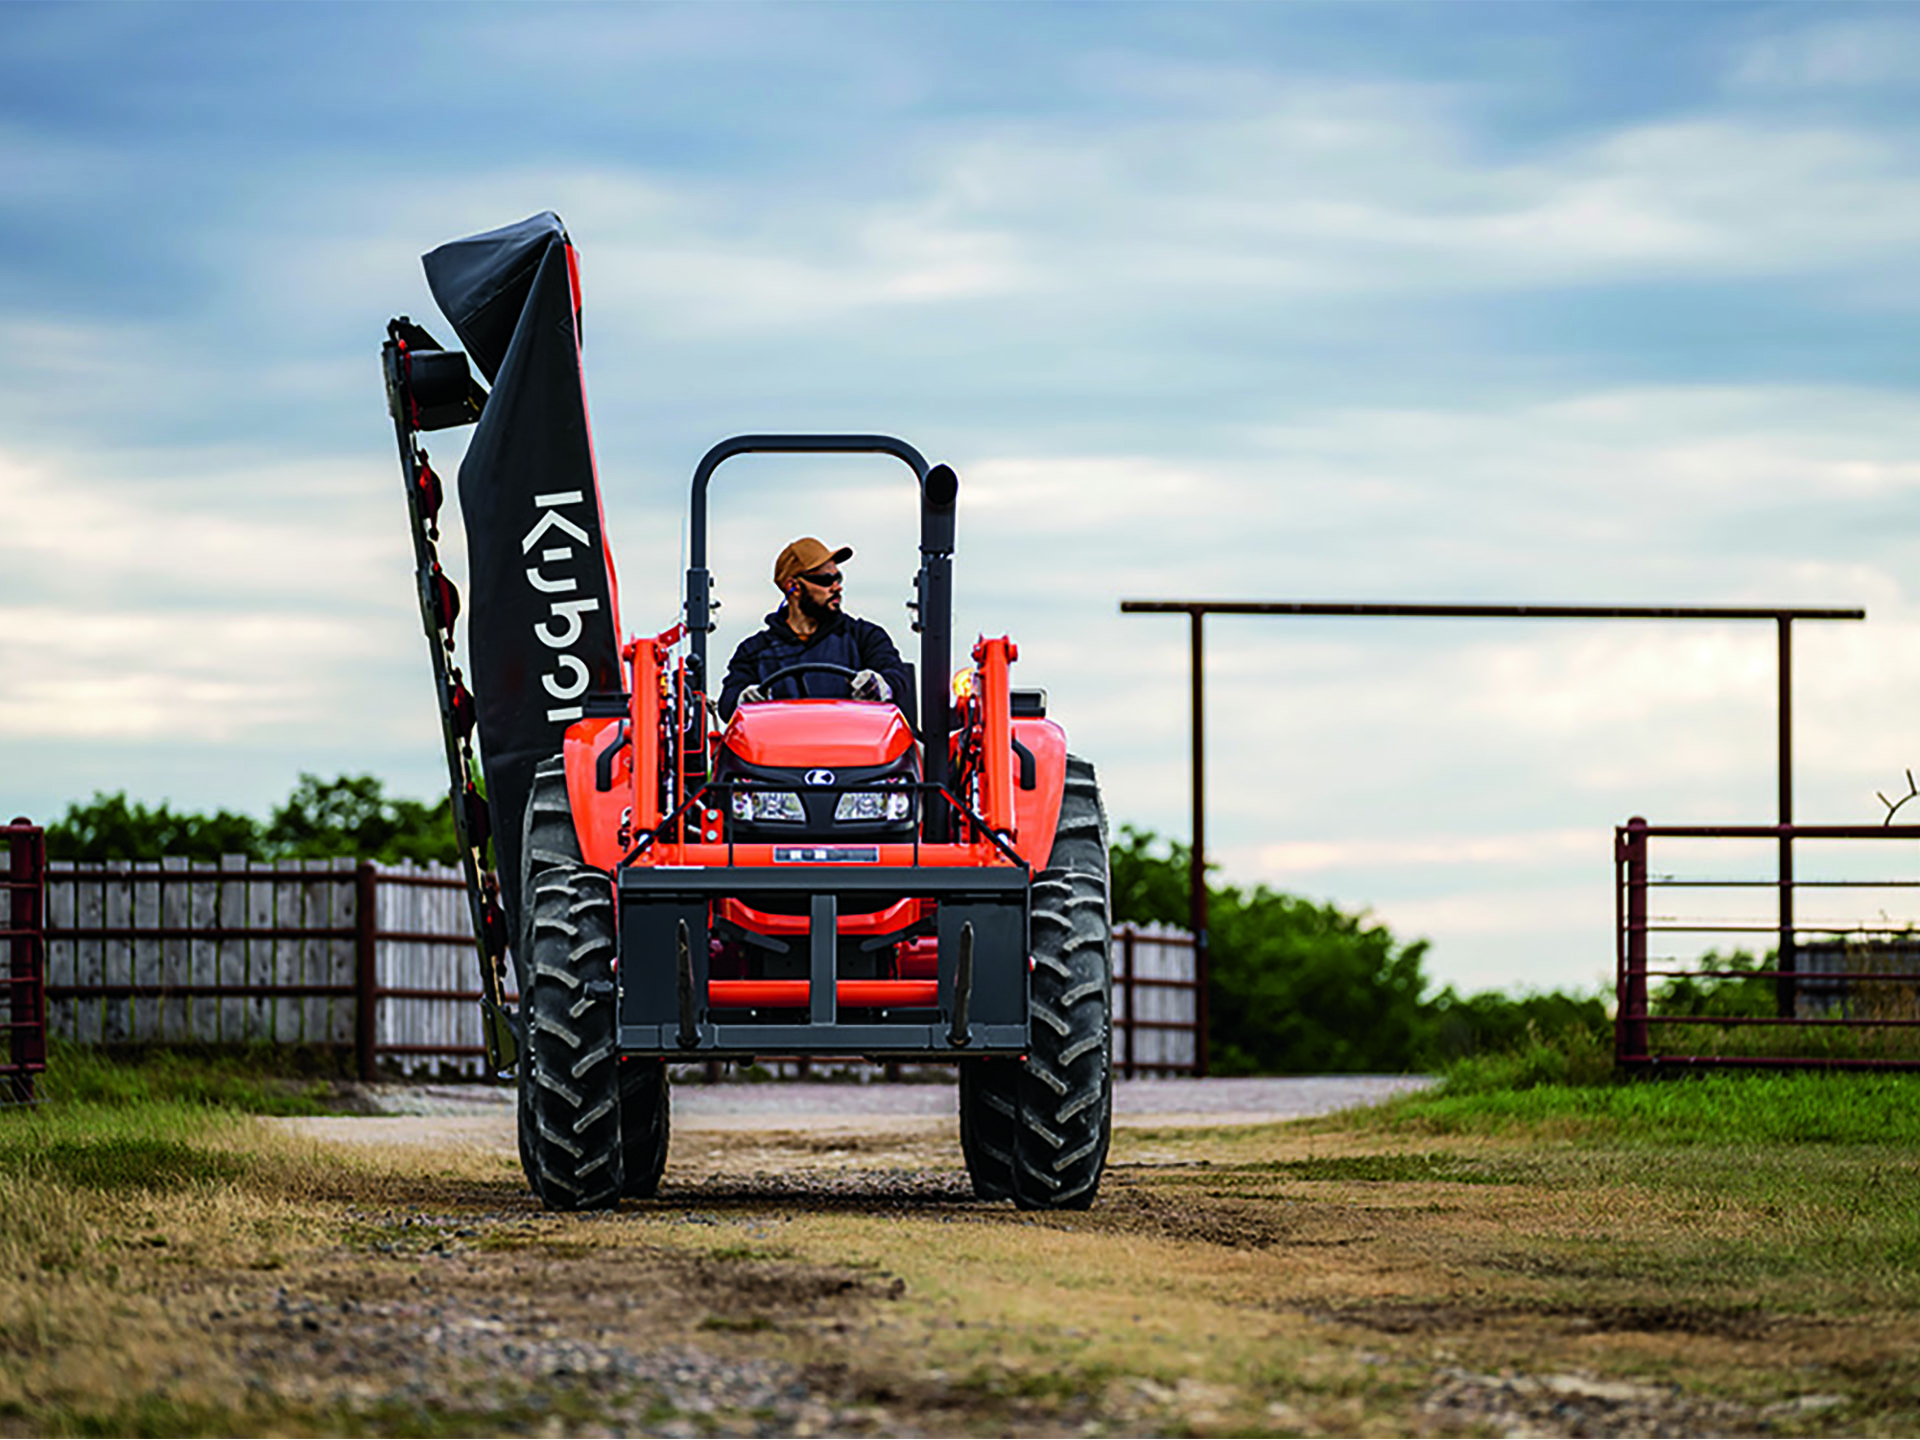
pixel 801 668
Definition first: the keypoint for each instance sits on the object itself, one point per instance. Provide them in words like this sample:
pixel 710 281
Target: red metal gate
pixel 1838 988
pixel 23 1006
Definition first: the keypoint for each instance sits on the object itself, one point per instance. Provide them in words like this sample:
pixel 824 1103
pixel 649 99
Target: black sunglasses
pixel 826 580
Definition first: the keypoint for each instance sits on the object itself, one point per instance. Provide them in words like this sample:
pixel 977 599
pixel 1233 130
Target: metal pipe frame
pixel 1197 610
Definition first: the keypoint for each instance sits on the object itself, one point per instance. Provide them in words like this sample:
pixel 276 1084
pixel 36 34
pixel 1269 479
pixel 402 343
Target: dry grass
pixel 1329 1278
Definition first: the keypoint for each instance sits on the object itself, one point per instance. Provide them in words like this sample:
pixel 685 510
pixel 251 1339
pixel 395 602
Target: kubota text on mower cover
pixel 814 878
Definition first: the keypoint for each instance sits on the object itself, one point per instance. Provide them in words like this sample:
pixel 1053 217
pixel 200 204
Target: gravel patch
pixel 801 1104
pixel 427 1325
pixel 1576 1405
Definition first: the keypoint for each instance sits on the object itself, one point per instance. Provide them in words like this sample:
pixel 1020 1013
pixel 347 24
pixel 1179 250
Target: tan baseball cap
pixel 803 555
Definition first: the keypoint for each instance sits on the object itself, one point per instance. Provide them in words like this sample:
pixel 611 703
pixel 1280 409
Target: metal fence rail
pixel 1840 986
pixel 23 1012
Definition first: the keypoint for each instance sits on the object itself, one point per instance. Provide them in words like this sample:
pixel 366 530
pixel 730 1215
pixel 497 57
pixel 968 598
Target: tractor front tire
pixel 1036 1130
pixel 592 1128
pixel 574 1083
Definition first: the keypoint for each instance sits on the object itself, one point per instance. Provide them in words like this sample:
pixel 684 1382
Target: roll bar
pixel 933 583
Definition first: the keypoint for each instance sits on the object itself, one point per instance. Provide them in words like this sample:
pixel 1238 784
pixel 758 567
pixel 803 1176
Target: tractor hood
pixel 807 733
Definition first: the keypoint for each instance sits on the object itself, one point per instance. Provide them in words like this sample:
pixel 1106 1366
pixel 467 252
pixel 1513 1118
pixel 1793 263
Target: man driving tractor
pixel 809 626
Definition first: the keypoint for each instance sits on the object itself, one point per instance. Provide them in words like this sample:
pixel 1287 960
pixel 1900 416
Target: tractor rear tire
pixel 1036 1130
pixel 592 1128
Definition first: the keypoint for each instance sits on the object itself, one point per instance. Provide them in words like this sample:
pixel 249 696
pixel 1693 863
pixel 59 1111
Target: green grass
pixel 130 1162
pixel 161 1146
pixel 1794 1108
pixel 254 1080
pixel 1575 1056
pixel 1799 1191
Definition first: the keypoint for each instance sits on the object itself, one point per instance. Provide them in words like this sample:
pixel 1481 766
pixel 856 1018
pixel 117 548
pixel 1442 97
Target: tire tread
pixel 1037 1131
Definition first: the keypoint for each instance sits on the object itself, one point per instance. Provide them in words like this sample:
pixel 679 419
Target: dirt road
pixel 483 1115
pixel 816 1264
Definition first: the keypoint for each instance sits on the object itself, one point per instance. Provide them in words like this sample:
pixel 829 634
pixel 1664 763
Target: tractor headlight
pixel 872 805
pixel 767 805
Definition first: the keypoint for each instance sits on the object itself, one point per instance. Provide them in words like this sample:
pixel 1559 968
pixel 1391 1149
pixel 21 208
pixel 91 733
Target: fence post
pixel 366 898
pixel 1786 985
pixel 1129 998
pixel 1630 989
pixel 26 1005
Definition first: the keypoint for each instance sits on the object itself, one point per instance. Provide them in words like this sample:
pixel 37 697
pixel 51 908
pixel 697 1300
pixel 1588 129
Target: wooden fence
pixel 1156 1002
pixel 379 959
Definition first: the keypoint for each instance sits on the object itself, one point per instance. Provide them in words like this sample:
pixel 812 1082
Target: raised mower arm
pixel 429 388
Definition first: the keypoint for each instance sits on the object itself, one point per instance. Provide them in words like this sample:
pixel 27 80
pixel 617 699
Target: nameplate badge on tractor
pixel 826 854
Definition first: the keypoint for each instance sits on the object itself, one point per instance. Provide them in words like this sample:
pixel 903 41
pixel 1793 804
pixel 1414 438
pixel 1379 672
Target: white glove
pixel 751 695
pixel 867 685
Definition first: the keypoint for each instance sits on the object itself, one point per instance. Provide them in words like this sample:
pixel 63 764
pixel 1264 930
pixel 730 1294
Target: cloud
pixel 1864 52
pixel 1532 847
pixel 257 537
pixel 195 679
pixel 1276 186
pixel 1225 188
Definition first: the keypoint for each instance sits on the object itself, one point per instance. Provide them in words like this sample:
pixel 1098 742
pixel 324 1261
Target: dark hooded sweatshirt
pixel 841 640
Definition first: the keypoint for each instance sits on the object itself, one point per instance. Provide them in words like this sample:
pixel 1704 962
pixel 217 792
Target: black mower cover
pixel 543 623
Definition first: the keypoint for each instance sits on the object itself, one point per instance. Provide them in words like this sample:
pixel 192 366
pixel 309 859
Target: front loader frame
pixel 974 1007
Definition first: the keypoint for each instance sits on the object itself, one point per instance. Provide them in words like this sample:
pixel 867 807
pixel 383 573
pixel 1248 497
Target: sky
pixel 1606 304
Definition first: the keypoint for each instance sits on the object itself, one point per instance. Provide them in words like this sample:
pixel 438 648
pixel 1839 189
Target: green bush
pixel 1302 986
pixel 1529 1030
pixel 1578 1055
pixel 1731 995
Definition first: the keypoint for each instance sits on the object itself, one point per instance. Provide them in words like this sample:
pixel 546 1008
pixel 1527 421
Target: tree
pixel 1460 1025
pixel 1300 986
pixel 1308 987
pixel 348 817
pixel 1294 985
pixel 111 827
pixel 352 815
pixel 1146 887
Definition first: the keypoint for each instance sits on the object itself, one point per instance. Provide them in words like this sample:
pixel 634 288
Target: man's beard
pixel 816 611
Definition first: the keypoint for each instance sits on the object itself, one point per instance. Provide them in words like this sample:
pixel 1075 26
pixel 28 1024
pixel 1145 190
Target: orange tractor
pixel 815 878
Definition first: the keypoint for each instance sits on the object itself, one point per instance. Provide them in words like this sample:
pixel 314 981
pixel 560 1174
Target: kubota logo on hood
pixel 820 777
